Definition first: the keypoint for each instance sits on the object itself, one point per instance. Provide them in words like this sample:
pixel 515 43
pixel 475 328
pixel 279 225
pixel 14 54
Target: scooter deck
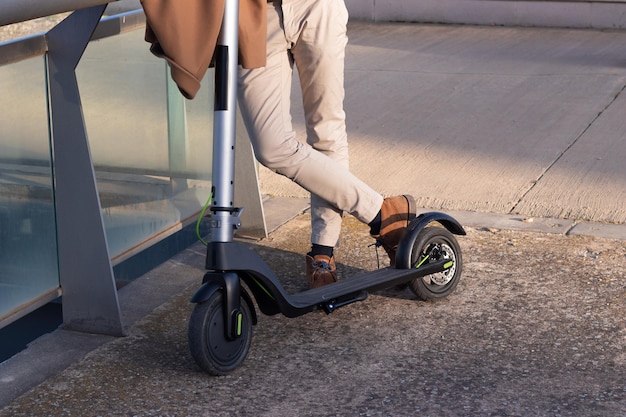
pixel 369 281
pixel 272 297
pixel 349 290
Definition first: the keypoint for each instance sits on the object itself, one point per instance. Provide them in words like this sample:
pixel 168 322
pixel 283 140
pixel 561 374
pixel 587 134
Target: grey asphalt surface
pixel 519 133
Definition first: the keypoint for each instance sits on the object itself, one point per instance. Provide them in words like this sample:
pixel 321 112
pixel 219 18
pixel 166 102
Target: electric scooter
pixel 428 258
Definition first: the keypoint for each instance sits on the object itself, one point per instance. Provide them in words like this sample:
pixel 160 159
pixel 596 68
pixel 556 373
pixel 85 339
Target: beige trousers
pixel 311 34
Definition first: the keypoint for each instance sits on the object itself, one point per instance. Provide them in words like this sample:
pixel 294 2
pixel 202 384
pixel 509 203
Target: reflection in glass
pixel 151 149
pixel 28 262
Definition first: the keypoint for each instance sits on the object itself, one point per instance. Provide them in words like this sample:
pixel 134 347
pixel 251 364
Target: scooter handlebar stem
pixel 223 222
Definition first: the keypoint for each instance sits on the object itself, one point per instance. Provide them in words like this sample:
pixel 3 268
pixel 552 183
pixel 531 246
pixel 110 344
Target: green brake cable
pixel 200 217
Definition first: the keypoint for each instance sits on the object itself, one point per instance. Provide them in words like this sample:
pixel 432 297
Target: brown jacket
pixel 184 32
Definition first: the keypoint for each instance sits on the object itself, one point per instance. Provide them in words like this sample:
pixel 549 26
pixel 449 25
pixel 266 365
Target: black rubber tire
pixel 436 243
pixel 208 344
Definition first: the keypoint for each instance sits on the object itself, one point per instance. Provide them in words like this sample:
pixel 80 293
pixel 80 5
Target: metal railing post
pixel 90 301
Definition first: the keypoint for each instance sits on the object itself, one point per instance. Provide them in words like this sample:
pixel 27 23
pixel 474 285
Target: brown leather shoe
pixel 396 213
pixel 320 270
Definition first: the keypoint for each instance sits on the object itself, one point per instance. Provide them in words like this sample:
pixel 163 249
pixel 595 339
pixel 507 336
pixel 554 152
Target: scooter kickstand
pixel 334 305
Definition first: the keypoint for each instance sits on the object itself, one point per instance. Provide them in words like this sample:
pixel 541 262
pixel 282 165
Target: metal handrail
pixel 27 47
pixel 16 11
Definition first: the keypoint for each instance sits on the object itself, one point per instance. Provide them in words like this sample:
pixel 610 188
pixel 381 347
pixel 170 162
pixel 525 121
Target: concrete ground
pixel 517 132
pixel 514 121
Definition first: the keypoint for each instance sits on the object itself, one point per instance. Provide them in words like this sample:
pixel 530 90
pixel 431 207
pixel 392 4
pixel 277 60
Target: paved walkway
pixel 514 130
pixel 512 121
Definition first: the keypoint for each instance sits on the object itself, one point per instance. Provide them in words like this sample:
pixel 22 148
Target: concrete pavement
pixel 518 133
pixel 514 121
pixel 535 328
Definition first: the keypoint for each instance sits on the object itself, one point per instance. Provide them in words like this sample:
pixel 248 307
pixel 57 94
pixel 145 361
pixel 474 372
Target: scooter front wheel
pixel 210 348
pixel 436 244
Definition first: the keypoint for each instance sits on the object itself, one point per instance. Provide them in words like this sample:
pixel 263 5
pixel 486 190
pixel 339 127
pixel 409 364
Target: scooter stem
pixel 224 216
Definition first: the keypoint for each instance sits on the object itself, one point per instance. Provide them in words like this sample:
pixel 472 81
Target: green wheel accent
pixel 239 323
pixel 422 262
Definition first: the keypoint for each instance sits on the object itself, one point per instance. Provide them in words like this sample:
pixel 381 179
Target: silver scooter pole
pixel 225 217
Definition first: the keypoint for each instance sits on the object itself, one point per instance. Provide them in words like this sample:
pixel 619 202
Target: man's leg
pixel 264 95
pixel 318 35
pixel 265 104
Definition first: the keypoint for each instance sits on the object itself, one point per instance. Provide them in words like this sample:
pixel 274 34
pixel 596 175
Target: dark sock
pixel 321 250
pixel 375 224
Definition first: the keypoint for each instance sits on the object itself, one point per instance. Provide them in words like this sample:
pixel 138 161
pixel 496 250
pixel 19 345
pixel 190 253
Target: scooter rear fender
pixel 405 247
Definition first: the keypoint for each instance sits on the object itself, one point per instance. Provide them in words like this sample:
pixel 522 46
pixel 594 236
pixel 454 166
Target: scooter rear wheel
pixel 435 244
pixel 209 346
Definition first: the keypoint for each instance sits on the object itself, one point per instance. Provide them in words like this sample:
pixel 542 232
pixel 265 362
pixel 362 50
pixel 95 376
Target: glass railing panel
pixel 150 182
pixel 28 253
